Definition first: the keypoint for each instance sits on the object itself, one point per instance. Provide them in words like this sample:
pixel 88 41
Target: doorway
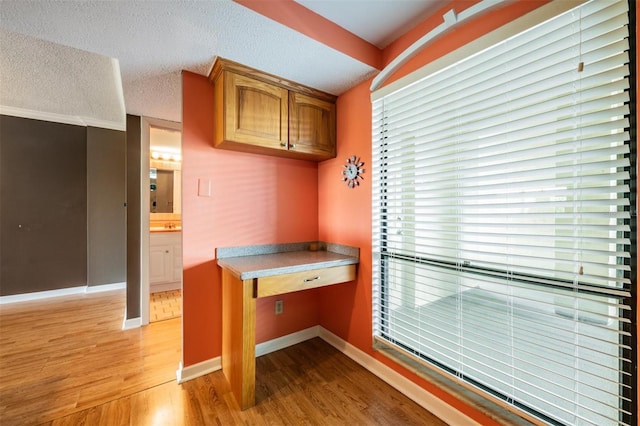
pixel 161 207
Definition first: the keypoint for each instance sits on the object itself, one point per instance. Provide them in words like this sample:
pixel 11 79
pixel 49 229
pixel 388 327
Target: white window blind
pixel 502 231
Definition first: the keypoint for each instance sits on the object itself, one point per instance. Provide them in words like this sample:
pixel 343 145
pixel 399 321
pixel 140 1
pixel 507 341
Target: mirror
pixel 165 164
pixel 161 190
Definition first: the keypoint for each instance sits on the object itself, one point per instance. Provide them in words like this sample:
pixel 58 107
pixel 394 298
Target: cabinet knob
pixel 293 145
pixel 283 144
pixel 166 251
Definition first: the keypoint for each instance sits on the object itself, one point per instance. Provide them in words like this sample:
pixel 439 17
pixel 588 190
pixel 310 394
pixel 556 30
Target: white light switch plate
pixel 204 187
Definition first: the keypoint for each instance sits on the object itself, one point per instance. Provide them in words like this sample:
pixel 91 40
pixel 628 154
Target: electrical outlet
pixel 279 307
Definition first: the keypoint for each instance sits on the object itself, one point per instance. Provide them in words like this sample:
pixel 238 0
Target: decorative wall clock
pixel 353 171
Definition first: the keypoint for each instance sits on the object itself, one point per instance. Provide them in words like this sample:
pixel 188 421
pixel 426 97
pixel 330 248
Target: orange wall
pixel 255 200
pixel 344 217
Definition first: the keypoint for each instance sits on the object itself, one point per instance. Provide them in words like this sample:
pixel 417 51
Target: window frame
pixel 427 370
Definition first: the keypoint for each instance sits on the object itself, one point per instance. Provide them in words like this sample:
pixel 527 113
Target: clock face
pixel 352 171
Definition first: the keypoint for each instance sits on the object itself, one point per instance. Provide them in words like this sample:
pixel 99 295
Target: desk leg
pixel 239 338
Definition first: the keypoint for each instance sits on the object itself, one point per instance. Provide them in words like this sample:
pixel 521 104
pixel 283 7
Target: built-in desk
pixel 259 271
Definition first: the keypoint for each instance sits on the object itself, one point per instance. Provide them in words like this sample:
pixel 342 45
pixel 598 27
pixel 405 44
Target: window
pixel 503 187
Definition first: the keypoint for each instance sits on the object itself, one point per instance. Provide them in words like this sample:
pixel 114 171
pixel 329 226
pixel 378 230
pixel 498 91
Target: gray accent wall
pixel 106 214
pixel 62 213
pixel 69 207
pixel 43 206
pixel 134 141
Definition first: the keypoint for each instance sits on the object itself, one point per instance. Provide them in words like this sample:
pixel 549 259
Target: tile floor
pixel 165 305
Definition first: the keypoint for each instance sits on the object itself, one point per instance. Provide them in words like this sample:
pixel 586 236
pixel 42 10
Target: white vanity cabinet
pixel 165 261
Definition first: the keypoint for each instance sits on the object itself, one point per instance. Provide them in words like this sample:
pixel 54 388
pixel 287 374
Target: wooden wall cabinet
pixel 253 112
pixel 312 125
pixel 261 113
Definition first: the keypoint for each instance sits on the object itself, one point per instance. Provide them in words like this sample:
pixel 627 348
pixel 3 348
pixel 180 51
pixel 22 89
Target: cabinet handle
pixel 306 280
pixel 166 251
pixel 283 144
pixel 293 145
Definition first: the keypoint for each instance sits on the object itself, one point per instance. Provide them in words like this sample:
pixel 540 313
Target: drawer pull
pixel 306 280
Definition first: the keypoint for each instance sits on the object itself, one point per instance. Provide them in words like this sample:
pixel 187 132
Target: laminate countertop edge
pixel 276 259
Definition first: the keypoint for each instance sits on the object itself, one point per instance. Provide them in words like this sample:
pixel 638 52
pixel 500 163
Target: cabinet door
pixel 160 264
pixel 312 126
pixel 256 113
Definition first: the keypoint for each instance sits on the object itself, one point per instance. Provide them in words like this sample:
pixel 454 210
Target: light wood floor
pixel 66 361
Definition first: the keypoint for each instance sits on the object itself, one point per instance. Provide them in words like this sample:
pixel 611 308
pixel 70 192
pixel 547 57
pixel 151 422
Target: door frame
pixel 145 207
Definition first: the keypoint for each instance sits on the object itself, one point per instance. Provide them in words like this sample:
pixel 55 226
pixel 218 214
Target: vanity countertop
pixel 163 229
pixel 268 260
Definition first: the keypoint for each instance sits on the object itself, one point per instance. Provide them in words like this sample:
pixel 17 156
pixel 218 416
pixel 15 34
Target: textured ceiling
pixel 29 66
pixel 153 41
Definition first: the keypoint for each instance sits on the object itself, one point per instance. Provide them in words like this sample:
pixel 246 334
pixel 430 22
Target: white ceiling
pixel 153 41
pixel 377 21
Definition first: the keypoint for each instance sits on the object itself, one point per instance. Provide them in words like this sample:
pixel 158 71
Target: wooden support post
pixel 239 337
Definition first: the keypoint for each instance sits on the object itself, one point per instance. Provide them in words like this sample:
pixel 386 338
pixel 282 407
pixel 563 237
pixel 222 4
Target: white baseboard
pixel 25 297
pixel 288 340
pixel 131 323
pixel 196 370
pixel 105 287
pixel 425 399
pixel 39 295
pixel 214 364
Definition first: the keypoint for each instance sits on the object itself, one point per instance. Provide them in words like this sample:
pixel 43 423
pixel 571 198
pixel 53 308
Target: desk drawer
pixel 286 283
